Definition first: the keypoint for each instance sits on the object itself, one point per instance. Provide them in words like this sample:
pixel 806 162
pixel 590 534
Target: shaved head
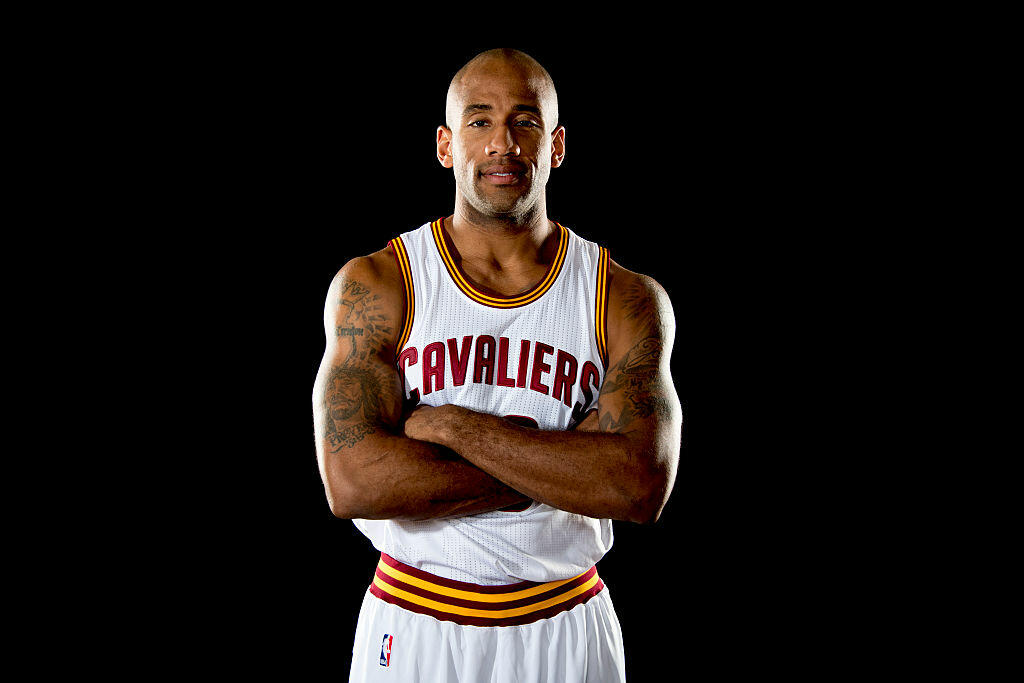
pixel 502 136
pixel 502 64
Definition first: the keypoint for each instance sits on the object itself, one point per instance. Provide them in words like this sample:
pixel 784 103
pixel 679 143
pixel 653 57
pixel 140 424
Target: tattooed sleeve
pixel 635 388
pixel 355 388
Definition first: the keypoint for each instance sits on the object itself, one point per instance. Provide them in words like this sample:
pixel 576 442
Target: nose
pixel 502 142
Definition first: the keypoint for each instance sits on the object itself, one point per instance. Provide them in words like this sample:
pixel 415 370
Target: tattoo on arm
pixel 637 375
pixel 352 404
pixel 362 321
pixel 639 306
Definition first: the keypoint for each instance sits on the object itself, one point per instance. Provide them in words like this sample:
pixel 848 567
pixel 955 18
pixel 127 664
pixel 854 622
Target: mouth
pixel 503 175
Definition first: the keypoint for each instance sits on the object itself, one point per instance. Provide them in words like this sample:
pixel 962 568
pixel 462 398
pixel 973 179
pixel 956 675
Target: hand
pixel 427 423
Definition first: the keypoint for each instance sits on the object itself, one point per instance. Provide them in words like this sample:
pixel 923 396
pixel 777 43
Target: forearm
pixel 597 474
pixel 370 469
pixel 392 477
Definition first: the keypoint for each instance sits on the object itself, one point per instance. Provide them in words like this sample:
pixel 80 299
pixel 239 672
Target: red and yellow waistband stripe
pixel 472 605
pixel 537 292
pixel 601 307
pixel 402 256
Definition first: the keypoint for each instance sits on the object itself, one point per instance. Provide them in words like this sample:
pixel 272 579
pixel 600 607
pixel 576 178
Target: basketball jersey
pixel 539 359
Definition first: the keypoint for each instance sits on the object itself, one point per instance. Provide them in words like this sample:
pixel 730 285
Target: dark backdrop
pixel 295 162
pixel 734 162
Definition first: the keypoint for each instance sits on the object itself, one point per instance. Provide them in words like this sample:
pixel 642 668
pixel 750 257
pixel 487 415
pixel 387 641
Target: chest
pixel 539 364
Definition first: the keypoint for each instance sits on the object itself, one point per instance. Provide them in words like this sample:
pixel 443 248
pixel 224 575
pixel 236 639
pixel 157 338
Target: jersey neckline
pixel 460 280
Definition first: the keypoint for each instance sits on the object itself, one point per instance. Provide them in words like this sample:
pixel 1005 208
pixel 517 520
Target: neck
pixel 499 238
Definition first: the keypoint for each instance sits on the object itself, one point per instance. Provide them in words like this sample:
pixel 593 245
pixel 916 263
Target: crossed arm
pixel 619 463
pixel 370 469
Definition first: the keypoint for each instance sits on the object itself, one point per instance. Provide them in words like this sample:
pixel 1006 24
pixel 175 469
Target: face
pixel 501 145
pixel 344 398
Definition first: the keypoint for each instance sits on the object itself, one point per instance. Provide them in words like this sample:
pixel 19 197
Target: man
pixel 495 390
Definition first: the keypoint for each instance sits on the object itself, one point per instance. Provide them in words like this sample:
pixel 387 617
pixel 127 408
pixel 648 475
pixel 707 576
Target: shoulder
pixel 374 280
pixel 379 269
pixel 638 308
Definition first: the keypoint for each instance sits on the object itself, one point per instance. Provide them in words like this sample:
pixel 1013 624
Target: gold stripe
pixel 410 295
pixel 410 298
pixel 597 303
pixel 521 300
pixel 471 595
pixel 602 286
pixel 493 614
pixel 468 289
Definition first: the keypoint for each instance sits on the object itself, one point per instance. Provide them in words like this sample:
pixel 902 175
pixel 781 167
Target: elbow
pixel 350 489
pixel 348 493
pixel 647 510
pixel 344 498
pixel 341 508
pixel 651 496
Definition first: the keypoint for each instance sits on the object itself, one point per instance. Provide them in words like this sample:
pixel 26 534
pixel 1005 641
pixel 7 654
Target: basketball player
pixel 494 392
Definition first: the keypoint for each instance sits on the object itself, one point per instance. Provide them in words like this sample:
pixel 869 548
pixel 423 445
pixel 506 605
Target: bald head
pixel 513 70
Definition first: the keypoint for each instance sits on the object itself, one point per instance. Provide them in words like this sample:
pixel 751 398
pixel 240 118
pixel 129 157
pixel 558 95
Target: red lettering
pixel 407 357
pixel 484 359
pixel 490 352
pixel 524 362
pixel 565 377
pixel 503 378
pixel 539 366
pixel 459 366
pixel 433 367
pixel 589 374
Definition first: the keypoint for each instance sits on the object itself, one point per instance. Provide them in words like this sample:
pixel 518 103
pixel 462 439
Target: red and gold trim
pixel 469 604
pixel 402 256
pixel 437 227
pixel 601 307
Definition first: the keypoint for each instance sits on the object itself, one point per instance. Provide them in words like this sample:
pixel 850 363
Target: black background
pixel 282 165
pixel 606 191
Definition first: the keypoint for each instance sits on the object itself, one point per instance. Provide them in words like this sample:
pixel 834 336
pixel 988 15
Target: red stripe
pixel 405 268
pixel 603 266
pixel 473 604
pixel 442 615
pixel 482 621
pixel 452 583
pixel 452 267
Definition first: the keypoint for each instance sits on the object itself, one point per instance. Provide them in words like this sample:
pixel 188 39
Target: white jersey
pixel 538 358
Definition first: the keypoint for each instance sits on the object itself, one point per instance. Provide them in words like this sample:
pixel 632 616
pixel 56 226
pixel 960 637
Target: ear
pixel 557 147
pixel 444 147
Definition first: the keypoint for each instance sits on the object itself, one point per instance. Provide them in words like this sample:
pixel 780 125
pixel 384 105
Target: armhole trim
pixel 402 256
pixel 601 307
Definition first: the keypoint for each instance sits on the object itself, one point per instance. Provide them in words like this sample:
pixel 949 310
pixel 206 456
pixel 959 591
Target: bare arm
pixel 619 463
pixel 370 469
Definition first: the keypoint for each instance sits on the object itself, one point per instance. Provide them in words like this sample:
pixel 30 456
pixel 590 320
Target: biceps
pixel 637 392
pixel 354 399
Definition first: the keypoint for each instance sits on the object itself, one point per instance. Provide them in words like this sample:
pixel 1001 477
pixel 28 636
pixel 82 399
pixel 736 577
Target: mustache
pixel 501 167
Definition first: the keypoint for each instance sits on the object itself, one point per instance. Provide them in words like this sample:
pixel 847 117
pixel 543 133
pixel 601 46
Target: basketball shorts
pixel 415 627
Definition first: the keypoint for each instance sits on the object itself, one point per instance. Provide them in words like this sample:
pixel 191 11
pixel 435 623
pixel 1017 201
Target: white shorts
pixel 415 627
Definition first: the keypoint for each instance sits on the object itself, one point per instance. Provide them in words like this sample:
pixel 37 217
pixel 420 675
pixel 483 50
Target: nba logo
pixel 385 651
